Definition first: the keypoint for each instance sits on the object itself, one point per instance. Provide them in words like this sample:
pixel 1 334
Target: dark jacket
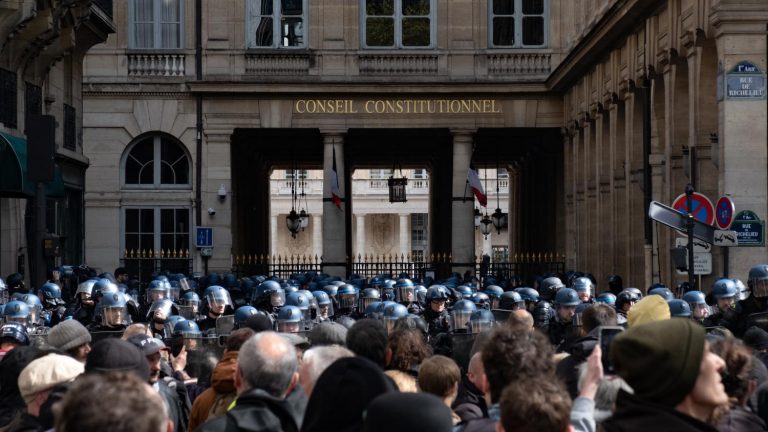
pixel 175 395
pixel 568 368
pixel 633 414
pixel 255 410
pixel 469 403
pixel 740 419
pixel 25 423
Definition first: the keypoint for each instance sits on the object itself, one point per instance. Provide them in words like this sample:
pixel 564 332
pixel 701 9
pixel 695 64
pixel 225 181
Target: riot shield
pixel 758 320
pixel 462 347
pixel 202 355
pixel 501 315
pixel 38 337
pixel 225 324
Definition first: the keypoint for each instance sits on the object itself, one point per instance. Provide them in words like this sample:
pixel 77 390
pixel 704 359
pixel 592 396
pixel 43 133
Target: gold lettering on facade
pixel 397 106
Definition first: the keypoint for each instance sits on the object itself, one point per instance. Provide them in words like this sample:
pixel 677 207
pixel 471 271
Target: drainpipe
pixel 199 102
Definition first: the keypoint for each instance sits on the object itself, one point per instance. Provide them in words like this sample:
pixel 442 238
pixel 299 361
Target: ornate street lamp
pixel 397 186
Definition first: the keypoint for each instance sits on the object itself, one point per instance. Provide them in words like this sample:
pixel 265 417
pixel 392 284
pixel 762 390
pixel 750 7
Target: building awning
pixel 14 182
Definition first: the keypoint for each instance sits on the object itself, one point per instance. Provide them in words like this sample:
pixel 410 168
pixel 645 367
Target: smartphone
pixel 605 336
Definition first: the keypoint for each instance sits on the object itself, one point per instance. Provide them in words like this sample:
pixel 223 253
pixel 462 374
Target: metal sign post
pixel 689 229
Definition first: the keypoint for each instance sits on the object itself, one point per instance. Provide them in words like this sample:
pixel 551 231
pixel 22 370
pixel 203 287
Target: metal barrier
pixel 143 263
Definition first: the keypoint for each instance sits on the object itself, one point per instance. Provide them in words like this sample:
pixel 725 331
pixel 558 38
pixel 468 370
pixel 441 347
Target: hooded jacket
pixel 469 403
pixel 222 383
pixel 255 410
pixel 633 414
pixel 740 419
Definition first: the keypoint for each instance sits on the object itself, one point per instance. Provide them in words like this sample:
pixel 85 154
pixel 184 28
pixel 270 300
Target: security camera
pixel 211 211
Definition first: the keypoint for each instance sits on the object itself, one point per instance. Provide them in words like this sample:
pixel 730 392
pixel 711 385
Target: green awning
pixel 13 171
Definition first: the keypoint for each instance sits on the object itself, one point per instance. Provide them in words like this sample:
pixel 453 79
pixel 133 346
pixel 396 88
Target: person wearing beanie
pixel 37 380
pixel 71 337
pixel 675 378
pixel 648 309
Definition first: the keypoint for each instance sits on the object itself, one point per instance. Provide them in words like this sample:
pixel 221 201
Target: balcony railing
pixel 156 65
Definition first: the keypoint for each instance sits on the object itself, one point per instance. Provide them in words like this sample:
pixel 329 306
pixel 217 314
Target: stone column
pixel 360 234
pixel 316 226
pixel 217 170
pixel 334 220
pixel 743 129
pixel 405 234
pixel 273 227
pixel 462 225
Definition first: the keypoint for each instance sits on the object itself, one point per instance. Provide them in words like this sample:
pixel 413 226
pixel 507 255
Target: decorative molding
pixel 290 63
pixel 519 64
pixel 397 64
pixel 156 65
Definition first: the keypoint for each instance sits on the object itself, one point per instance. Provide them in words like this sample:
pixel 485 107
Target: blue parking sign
pixel 203 237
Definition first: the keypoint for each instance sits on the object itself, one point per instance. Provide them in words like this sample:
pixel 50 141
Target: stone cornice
pixel 603 37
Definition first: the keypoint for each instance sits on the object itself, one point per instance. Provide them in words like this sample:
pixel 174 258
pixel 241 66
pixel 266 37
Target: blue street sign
pixel 749 229
pixel 203 237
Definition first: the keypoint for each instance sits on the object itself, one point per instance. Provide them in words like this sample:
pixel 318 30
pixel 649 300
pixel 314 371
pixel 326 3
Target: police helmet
pixel 462 311
pixel 346 295
pixel 187 329
pixel 392 313
pixel 157 290
pixel 113 309
pixel 217 297
pixel 743 290
pixel 15 331
pixel 436 292
pixel 662 291
pixel 331 290
pixel 51 294
pixel 86 287
pixel 190 298
pixel 528 294
pixel 481 300
pixel 607 298
pixel 511 300
pixel 567 297
pixel 549 287
pixel 679 308
pixel 271 292
pixel 464 291
pixel 758 280
pixel 289 319
pixel 16 311
pixel 724 288
pixel 368 296
pixel 626 297
pixel 242 313
pixel 584 285
pixel 694 298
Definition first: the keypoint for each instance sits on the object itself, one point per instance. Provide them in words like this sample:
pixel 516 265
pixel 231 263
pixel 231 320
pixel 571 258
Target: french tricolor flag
pixel 335 192
pixel 477 187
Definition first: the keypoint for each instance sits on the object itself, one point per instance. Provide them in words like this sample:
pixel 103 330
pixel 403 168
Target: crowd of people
pixel 311 352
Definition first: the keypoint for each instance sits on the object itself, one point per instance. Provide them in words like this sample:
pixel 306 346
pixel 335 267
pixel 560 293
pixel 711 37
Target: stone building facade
pixel 42 46
pixel 562 94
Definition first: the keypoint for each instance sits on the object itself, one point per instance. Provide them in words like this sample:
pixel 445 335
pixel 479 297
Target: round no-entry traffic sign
pixel 724 211
pixel 702 208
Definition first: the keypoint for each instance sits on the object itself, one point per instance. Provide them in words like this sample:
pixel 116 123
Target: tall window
pixel 276 23
pixel 380 174
pixel 156 162
pixel 157 229
pixel 517 23
pixel 398 23
pixel 155 24
pixel 8 101
pixel 301 174
pixel 418 232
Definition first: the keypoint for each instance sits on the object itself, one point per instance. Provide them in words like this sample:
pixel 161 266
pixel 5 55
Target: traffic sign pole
pixel 689 205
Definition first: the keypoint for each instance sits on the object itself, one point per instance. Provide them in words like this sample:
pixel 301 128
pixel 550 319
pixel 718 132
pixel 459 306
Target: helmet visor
pixel 460 320
pixel 324 311
pixel 288 327
pixel 114 316
pixel 480 325
pixel 347 301
pixel 277 298
pixel 760 288
pixel 405 294
pixel 188 311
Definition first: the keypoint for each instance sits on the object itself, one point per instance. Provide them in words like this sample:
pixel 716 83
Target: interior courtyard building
pixel 576 115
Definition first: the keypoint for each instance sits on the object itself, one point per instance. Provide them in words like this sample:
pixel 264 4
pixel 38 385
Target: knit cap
pixel 68 334
pixel 46 372
pixel 648 309
pixel 660 360
pixel 112 354
pixel 408 412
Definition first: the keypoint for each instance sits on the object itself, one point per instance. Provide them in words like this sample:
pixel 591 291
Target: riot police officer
pixel 347 297
pixel 543 313
pixel 559 329
pixel 219 303
pixel 699 308
pixel 323 306
pixel 624 302
pixel 158 315
pixel 462 311
pixel 585 288
pixel 679 308
pixel 435 313
pixel 405 294
pixel 757 282
pixel 113 313
pixel 662 291
pixel 724 292
pixel 53 305
pixel 85 305
pixel 530 296
pixel 269 297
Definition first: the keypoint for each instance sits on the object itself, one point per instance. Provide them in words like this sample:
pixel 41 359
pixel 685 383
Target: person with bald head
pixel 470 402
pixel 267 372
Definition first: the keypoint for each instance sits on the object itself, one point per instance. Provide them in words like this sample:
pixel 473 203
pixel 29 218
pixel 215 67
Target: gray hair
pixel 267 362
pixel 318 359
